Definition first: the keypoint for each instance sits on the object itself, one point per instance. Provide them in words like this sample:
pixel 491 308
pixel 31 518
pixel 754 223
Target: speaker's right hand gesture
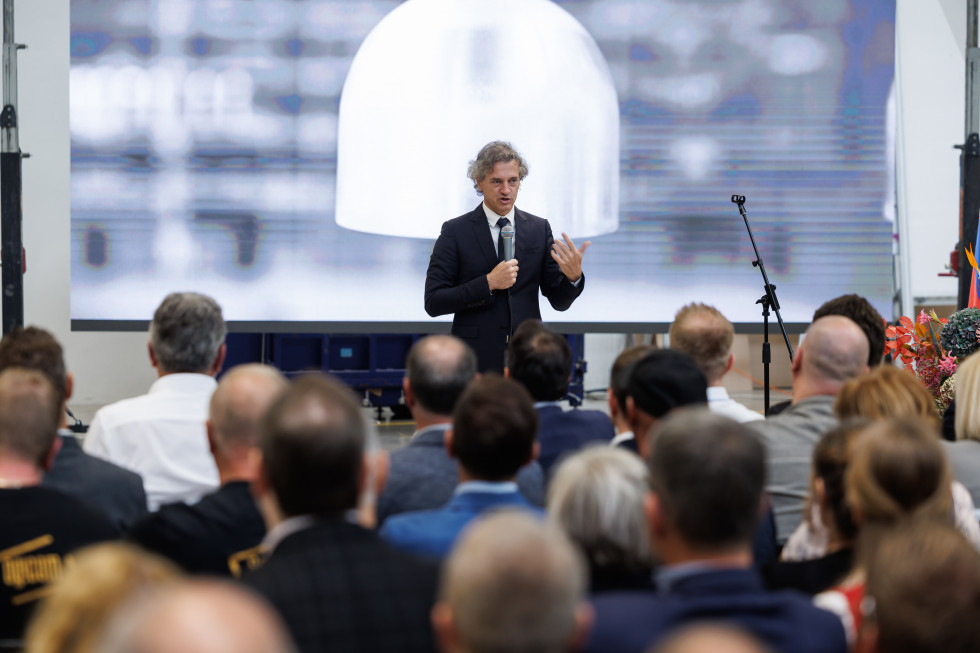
pixel 503 276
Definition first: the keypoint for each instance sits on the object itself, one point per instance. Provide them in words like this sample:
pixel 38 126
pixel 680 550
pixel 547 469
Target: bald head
pixel 199 617
pixel 835 349
pixel 438 369
pixel 240 401
pixel 513 584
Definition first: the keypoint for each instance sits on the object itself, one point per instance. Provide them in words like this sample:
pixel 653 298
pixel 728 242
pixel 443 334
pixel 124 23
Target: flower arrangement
pixel 932 347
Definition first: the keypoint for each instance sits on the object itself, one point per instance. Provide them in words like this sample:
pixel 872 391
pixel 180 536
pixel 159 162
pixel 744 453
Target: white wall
pixel 931 41
pixel 107 366
pixel 111 366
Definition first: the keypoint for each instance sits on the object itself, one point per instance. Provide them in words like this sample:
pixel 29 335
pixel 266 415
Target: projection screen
pixel 295 158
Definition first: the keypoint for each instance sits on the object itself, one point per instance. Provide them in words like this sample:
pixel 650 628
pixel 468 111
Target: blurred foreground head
pixel 200 616
pixel 512 585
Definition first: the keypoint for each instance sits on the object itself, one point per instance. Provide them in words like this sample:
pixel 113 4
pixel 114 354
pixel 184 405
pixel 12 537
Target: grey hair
pixel 596 496
pixel 187 332
pixel 491 154
pixel 514 585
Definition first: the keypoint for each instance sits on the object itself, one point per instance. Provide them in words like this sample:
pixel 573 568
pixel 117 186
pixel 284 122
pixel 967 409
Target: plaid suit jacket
pixel 339 587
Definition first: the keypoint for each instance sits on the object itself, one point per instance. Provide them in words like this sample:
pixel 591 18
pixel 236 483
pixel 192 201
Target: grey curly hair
pixel 491 154
pixel 186 332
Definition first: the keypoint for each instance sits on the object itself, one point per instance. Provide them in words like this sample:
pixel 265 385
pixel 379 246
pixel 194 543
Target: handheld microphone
pixel 507 241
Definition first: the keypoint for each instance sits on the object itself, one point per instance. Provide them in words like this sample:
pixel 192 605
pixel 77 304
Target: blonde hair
pixel 101 579
pixel 967 421
pixel 884 392
pixel 897 471
pixel 704 334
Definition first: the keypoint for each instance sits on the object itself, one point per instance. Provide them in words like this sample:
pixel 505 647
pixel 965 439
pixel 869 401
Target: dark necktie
pixel 501 223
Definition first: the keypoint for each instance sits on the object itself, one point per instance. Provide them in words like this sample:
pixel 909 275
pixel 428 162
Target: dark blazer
pixel 340 588
pixel 456 281
pixel 432 533
pixel 422 476
pixel 561 432
pixel 785 621
pixel 116 492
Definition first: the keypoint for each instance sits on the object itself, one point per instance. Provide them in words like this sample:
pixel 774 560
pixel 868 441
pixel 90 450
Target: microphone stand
pixel 768 301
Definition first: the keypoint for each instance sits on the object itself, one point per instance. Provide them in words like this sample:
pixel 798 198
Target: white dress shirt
pixel 162 437
pixel 720 403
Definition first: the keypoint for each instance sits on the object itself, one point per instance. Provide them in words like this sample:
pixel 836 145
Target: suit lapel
pixel 523 236
pixel 481 231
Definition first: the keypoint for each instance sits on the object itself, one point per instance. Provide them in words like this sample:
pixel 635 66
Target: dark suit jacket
pixel 432 533
pixel 456 281
pixel 340 588
pixel 115 491
pixel 561 432
pixel 785 621
pixel 422 476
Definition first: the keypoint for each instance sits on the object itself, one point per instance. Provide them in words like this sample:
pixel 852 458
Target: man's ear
pixel 535 452
pixel 613 405
pixel 153 356
pixel 630 411
pixel 219 360
pixel 444 627
pixel 730 364
pixel 656 519
pixel 447 441
pixel 584 620
pixel 407 391
pixel 506 372
pixel 798 359
pixel 69 385
pixel 49 457
pixel 209 428
pixel 382 466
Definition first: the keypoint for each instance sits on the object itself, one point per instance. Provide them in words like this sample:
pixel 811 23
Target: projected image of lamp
pixel 437 79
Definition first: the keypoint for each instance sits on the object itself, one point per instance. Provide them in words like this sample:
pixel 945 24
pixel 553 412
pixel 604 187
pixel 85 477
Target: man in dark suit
pixel 493 436
pixel 116 492
pixel 422 475
pixel 469 277
pixel 541 361
pixel 220 534
pixel 707 474
pixel 337 585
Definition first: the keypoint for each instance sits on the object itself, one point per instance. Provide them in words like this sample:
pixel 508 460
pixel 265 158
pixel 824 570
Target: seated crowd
pixel 231 510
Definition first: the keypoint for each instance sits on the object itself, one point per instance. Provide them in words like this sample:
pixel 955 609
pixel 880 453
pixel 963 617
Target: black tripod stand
pixel 768 301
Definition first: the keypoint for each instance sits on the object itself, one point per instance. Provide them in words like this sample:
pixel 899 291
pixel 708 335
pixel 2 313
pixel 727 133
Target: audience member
pixel 860 311
pixel 660 382
pixel 888 392
pixel 619 377
pixel 492 437
pixel 834 350
pixel 160 435
pixel 923 593
pixel 422 476
pixel 704 334
pixel 337 585
pixel 541 361
pixel 39 527
pixel 711 638
pixel 831 531
pixel 512 584
pixel 200 616
pixel 115 491
pixel 897 470
pixel 707 474
pixel 964 453
pixel 596 497
pixel 220 534
pixel 100 581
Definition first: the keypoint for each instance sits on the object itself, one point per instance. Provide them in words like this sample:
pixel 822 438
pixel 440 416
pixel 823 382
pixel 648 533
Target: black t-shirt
pixel 39 529
pixel 219 535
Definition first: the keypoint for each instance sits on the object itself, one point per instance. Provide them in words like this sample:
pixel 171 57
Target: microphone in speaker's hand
pixel 507 241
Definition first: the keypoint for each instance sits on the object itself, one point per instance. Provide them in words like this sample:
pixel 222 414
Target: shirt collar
pixel 625 436
pixel 717 393
pixel 545 404
pixel 493 217
pixel 487 487
pixel 284 529
pixel 669 575
pixel 433 428
pixel 184 383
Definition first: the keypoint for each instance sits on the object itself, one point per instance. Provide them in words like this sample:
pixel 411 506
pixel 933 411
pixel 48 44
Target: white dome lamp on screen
pixel 437 79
